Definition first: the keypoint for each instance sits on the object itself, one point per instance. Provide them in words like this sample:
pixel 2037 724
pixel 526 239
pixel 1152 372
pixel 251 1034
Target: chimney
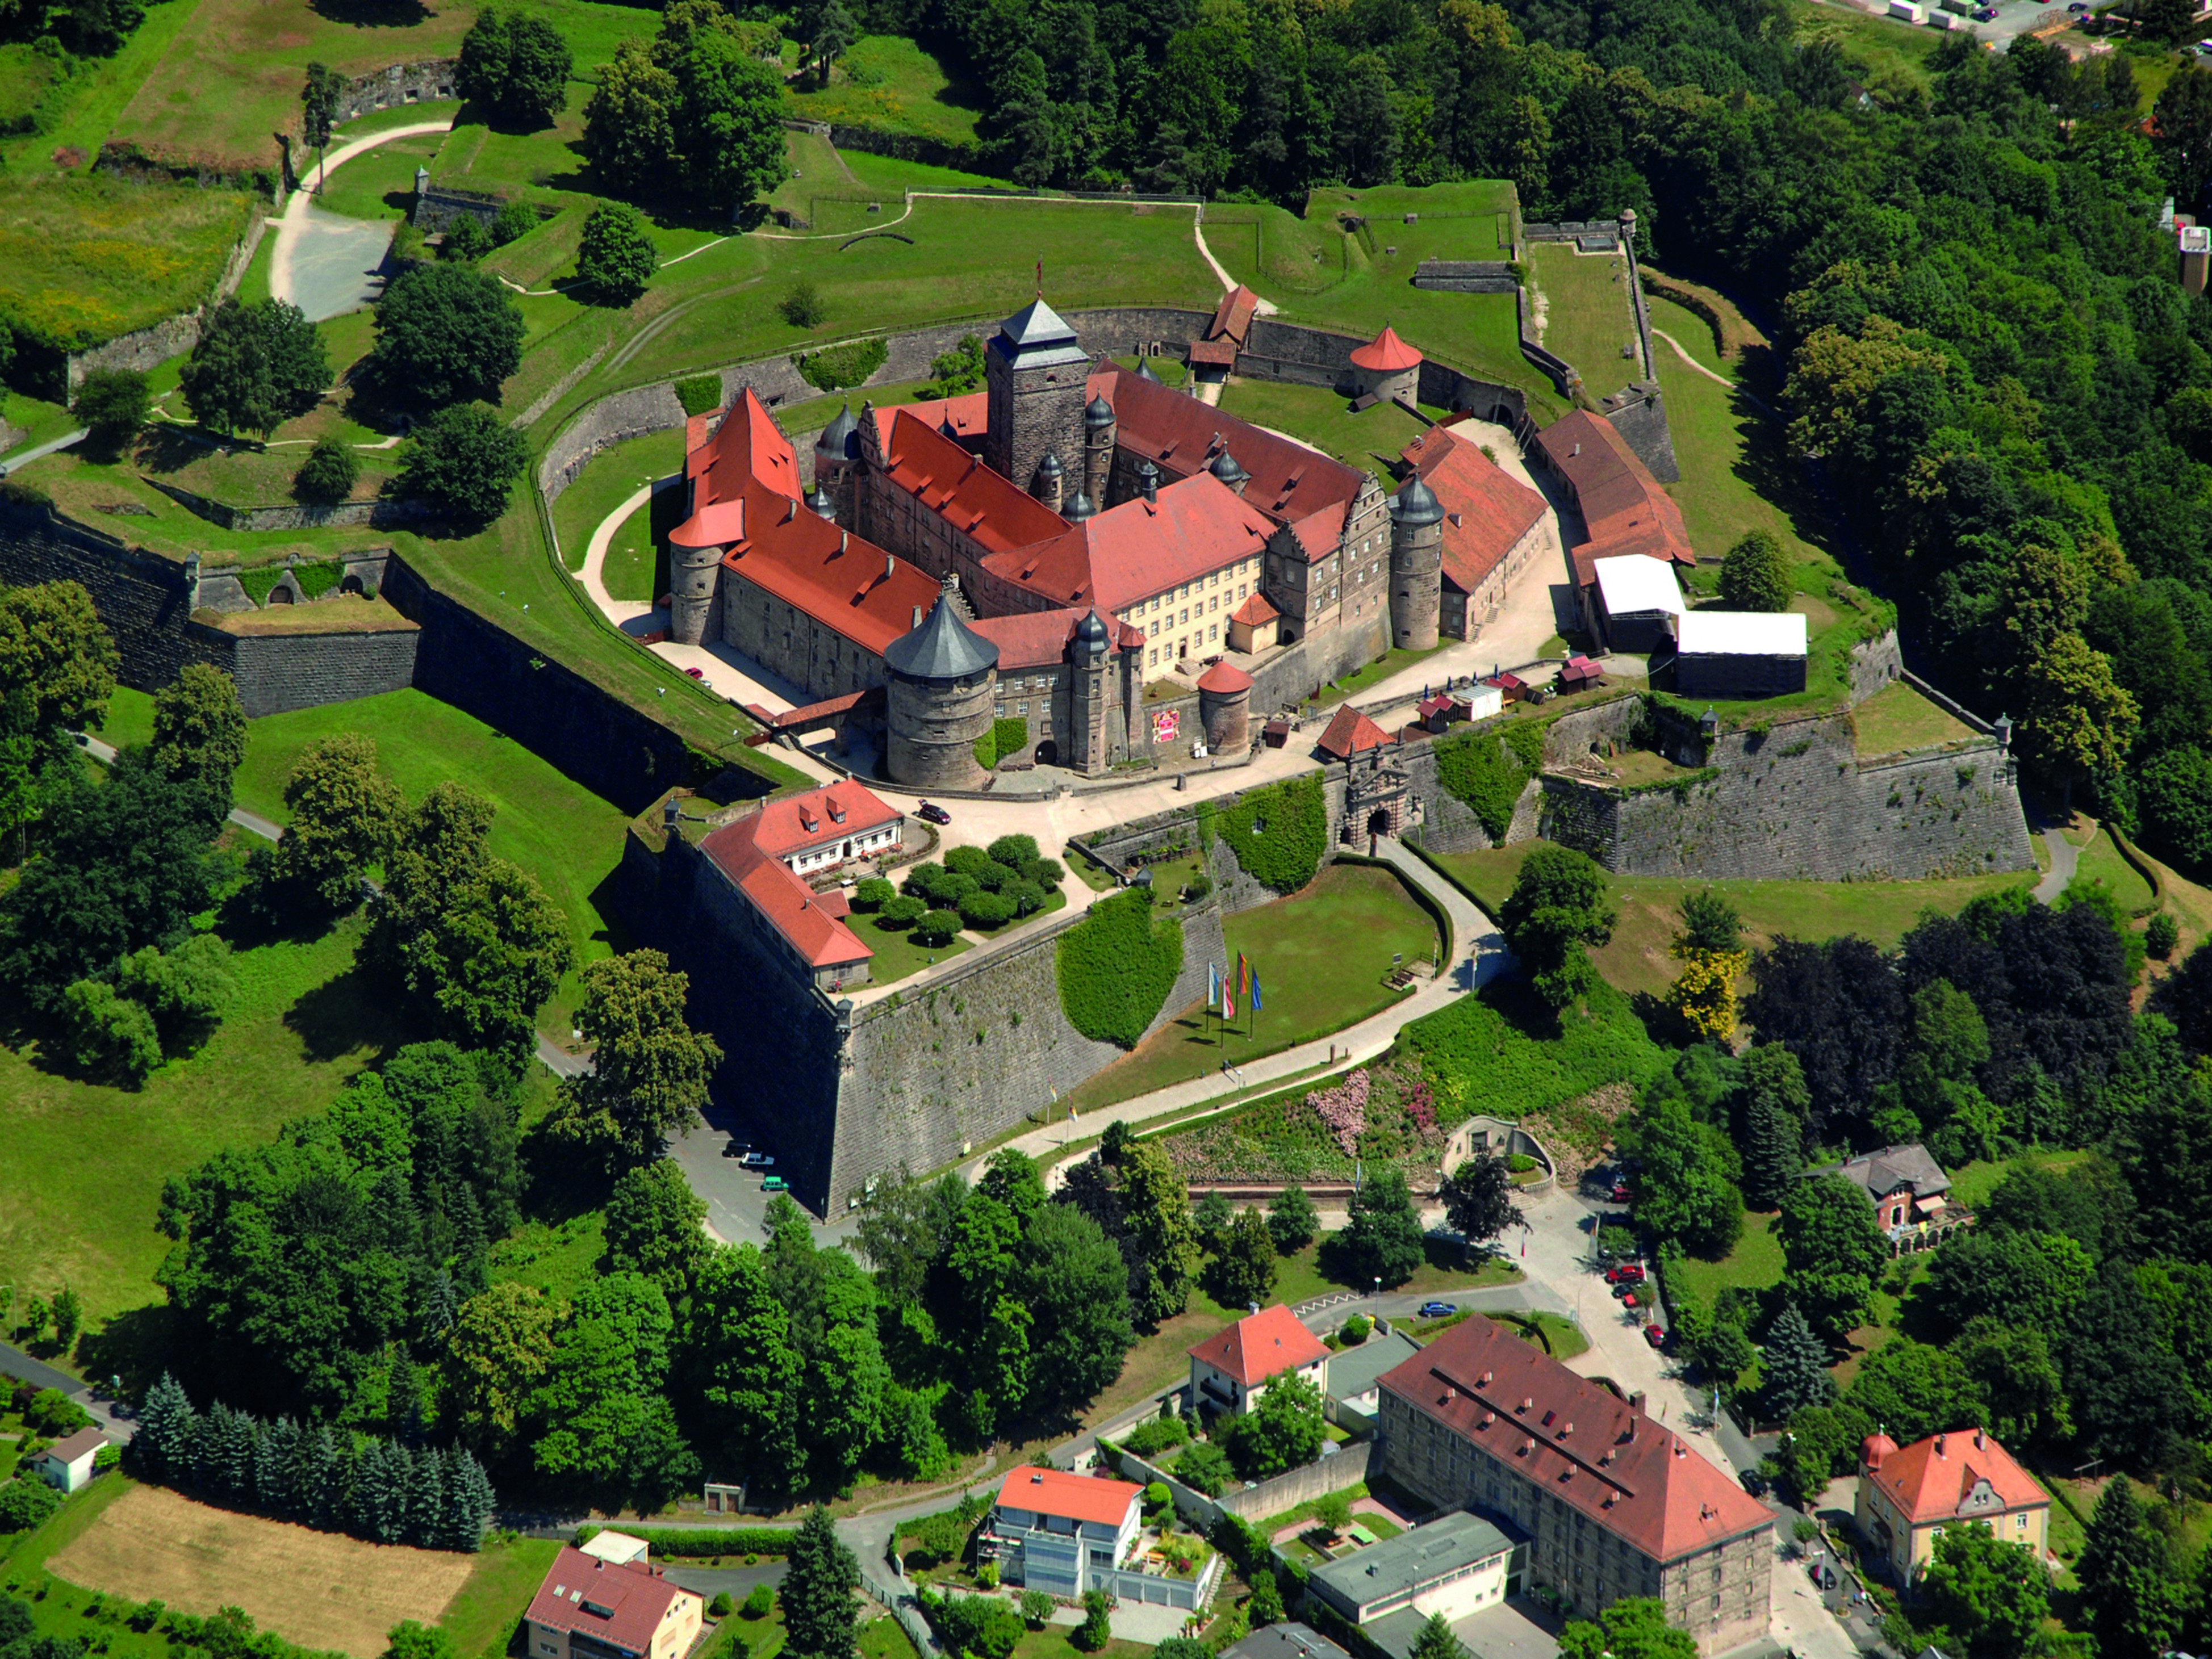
pixel 1528 1403
pixel 1635 1403
pixel 1485 1379
pixel 917 617
pixel 890 565
pixel 1980 1443
pixel 1941 1440
pixel 1577 449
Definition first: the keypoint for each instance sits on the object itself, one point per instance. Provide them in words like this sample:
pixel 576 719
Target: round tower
pixel 943 676
pixel 1085 745
pixel 1081 509
pixel 1388 368
pixel 1099 429
pixel 1051 481
pixel 1225 468
pixel 694 566
pixel 1416 547
pixel 1224 708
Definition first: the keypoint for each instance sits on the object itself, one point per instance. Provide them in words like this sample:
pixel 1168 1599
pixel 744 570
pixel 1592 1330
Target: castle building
pixel 1613 1505
pixel 1493 525
pixel 1036 549
pixel 765 861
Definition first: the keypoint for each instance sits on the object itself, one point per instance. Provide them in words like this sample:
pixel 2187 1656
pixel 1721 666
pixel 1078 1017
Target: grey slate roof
pixel 1892 1167
pixel 943 648
pixel 1354 1371
pixel 1098 411
pixel 1398 1566
pixel 1415 503
pixel 1036 323
pixel 841 436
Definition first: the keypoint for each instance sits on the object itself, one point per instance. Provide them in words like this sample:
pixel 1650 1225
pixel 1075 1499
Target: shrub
pixel 1015 852
pixel 967 861
pixel 113 403
pixel 937 927
pixel 873 893
pixel 1097 1628
pixel 25 1503
pixel 1486 769
pixel 803 306
pixel 1160 1434
pixel 1028 898
pixel 467 240
pixel 760 1602
pixel 1278 834
pixel 1047 873
pixel 329 473
pixel 845 365
pixel 700 394
pixel 515 219
pixel 1204 1469
pixel 904 911
pixel 1115 968
pixel 109 1033
pixel 2161 936
pixel 720 1606
pixel 1356 1329
pixel 982 909
pixel 987 1575
pixel 1502 1052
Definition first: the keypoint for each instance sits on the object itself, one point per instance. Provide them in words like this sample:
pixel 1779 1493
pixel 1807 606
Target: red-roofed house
pixel 1060 1533
pixel 1231 1372
pixel 1387 368
pixel 591 1609
pixel 1252 624
pixel 1907 1496
pixel 827 827
pixel 1226 334
pixel 1493 525
pixel 1613 1504
pixel 763 896
pixel 1351 732
pixel 1624 508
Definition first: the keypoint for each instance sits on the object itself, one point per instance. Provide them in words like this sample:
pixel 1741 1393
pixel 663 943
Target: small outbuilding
pixel 69 1462
pixel 1580 673
pixel 1739 653
pixel 1387 369
pixel 1634 602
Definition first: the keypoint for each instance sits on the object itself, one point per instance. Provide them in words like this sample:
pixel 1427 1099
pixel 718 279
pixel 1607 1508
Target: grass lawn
pixel 129 717
pixel 1389 663
pixel 889 83
pixel 1971 1185
pixel 88 257
pixel 559 1257
pixel 1898 718
pixel 633 562
pixel 1321 956
pixel 379 183
pixel 1895 53
pixel 1371 438
pixel 1754 1263
pixel 616 474
pixel 1567 1340
pixel 2100 861
pixel 482 1618
pixel 897 955
pixel 93 492
pixel 559 831
pixel 1587 320
pixel 82 1185
pixel 1638 957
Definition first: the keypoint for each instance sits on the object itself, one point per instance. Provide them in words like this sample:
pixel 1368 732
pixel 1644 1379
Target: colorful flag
pixel 1243 975
pixel 1213 985
pixel 1228 1002
pixel 1256 1004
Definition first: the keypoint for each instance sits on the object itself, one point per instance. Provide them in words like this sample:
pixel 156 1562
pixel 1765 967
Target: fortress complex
pixel 1039 550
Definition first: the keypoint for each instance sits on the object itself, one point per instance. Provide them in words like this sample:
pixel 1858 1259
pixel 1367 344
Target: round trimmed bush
pixel 952 887
pixel 873 893
pixel 1045 872
pixel 903 911
pixel 329 473
pixel 993 877
pixel 918 878
pixel 968 860
pixel 937 927
pixel 720 1607
pixel 1014 851
pixel 986 909
pixel 1028 898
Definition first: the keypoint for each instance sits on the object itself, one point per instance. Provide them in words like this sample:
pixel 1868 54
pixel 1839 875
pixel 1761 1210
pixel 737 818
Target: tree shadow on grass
pixel 373 14
pixel 347 1013
pixel 134 1346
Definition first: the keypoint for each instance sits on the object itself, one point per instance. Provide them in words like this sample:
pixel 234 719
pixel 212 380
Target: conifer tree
pixel 164 1423
pixel 472 1502
pixel 817 1592
pixel 426 1500
pixel 1795 1362
pixel 1771 1133
pixel 2128 1585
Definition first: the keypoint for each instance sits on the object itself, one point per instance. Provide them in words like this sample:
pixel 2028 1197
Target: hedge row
pixel 1280 833
pixel 1004 738
pixel 841 366
pixel 1116 967
pixel 703 1540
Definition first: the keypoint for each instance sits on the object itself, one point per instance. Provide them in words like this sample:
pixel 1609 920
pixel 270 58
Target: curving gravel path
pixel 326 262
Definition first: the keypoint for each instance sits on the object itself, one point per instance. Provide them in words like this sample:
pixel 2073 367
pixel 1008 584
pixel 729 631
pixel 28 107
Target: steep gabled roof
pixel 789 823
pixel 749 447
pixel 1233 317
pixel 785 901
pixel 620 1603
pixel 944 478
pixel 1892 1167
pixel 1353 733
pixel 1576 1439
pixel 1140 548
pixel 1256 612
pixel 1624 507
pixel 1262 1345
pixel 1486 510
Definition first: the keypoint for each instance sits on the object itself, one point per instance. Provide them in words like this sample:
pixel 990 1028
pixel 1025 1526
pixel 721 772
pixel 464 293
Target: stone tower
pixel 1034 371
pixel 1224 708
pixel 1087 738
pixel 943 676
pixel 1050 483
pixel 1417 550
pixel 1099 429
pixel 694 566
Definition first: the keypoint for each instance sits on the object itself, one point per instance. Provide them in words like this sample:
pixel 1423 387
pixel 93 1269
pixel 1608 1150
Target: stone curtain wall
pixel 1269 1498
pixel 401 83
pixel 1875 663
pixel 173 336
pixel 279 672
pixel 438 208
pixel 298 516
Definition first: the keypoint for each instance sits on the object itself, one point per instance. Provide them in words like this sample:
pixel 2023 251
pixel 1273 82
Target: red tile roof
pixel 970 415
pixel 1211 352
pixel 846 584
pixel 792 824
pixel 1261 1345
pixel 1233 317
pixel 1091 1497
pixel 1289 482
pixel 1624 507
pixel 1224 679
pixel 1932 1480
pixel 1353 733
pixel 1255 611
pixel 620 1603
pixel 1576 1438
pixel 1317 534
pixel 959 488
pixel 1130 552
pixel 1386 353
pixel 749 446
pixel 786 902
pixel 1486 510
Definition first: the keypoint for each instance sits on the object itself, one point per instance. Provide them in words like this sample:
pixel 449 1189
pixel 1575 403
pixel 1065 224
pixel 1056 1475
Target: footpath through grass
pixel 559 831
pixel 1321 956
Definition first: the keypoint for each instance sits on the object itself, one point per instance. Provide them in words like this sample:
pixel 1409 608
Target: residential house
pixel 1055 1531
pixel 1905 1183
pixel 816 832
pixel 1453 1566
pixel 1231 1372
pixel 69 1462
pixel 589 1607
pixel 1908 1495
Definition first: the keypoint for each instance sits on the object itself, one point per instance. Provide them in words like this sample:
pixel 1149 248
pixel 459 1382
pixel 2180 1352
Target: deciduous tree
pixel 199 731
pixel 649 1068
pixel 654 1226
pixel 1834 1250
pixel 616 258
pixel 1991 1593
pixel 496 1354
pixel 254 367
pixel 1292 1220
pixel 445 333
pixel 344 811
pixel 1558 906
pixel 1244 1272
pixel 1283 1431
pixel 1478 1198
pixel 1383 1235
pixel 113 403
pixel 1756 576
pixel 462 461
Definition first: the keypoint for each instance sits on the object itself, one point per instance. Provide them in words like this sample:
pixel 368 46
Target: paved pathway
pixel 2065 857
pixel 113 1418
pixel 104 754
pixel 36 452
pixel 326 262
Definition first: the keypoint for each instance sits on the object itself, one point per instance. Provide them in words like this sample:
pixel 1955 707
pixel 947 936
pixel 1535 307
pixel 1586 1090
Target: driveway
pixel 110 1416
pixel 326 263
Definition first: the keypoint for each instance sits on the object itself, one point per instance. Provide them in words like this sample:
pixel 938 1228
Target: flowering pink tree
pixel 1343 1110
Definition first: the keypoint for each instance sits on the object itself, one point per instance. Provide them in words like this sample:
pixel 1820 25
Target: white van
pixel 1908 11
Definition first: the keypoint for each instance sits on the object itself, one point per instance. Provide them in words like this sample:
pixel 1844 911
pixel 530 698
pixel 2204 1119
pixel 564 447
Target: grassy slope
pixel 563 835
pixel 1898 718
pixel 80 1186
pixel 1587 318
pixel 1371 438
pixel 85 257
pixel 1320 958
pixel 482 1619
pixel 890 83
pixel 614 476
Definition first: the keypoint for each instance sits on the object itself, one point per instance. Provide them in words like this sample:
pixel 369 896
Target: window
pixel 1022 707
pixel 1152 659
pixel 1153 631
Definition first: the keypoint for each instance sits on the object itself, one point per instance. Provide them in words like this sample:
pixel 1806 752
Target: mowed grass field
pixel 320 1589
pixel 80 1185
pixel 1638 959
pixel 561 833
pixel 1588 320
pixel 1372 439
pixel 1321 956
pixel 893 84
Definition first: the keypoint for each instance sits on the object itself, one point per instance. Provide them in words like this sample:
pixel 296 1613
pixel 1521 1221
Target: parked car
pixel 775 1184
pixel 1438 1309
pixel 1986 14
pixel 1654 1335
pixel 932 814
pixel 1628 1272
pixel 1620 1194
pixel 1755 1483
pixel 758 1160
pixel 696 673
pixel 738 1149
pixel 1625 1297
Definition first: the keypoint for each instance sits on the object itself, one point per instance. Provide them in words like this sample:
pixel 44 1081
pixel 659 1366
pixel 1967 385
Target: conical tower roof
pixel 841 437
pixel 943 648
pixel 1415 504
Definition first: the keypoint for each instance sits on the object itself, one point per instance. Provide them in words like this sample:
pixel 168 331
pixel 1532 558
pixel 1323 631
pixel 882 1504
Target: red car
pixel 932 814
pixel 1628 1272
pixel 1621 1194
pixel 1654 1336
pixel 696 673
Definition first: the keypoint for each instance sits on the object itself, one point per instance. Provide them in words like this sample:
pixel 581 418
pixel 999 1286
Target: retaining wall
pixel 299 515
pixel 150 348
pixel 400 83
pixel 1266 1497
